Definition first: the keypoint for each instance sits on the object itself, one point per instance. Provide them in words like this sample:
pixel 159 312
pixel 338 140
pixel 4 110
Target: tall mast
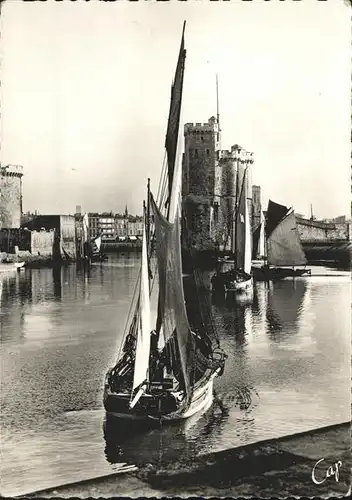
pixel 148 216
pixel 217 107
pixel 234 225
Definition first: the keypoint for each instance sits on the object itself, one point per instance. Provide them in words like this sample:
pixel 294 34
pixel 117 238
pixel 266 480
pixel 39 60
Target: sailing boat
pixel 95 250
pixel 283 245
pixel 235 275
pixel 166 373
pixel 258 240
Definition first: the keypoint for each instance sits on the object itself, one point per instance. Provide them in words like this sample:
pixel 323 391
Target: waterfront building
pixel 64 228
pixel 113 227
pixel 10 196
pixel 102 224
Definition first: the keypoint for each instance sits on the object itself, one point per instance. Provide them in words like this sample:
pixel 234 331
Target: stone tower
pixel 199 180
pixel 232 165
pixel 10 196
pixel 257 207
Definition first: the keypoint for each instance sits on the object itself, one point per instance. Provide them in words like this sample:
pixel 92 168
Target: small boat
pixel 283 248
pixel 234 275
pixel 96 254
pixel 91 247
pixel 10 266
pixel 164 373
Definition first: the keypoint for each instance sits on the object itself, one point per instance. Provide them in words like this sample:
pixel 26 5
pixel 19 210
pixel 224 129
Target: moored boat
pixel 95 252
pixel 165 373
pixel 284 255
pixel 234 275
pixel 10 266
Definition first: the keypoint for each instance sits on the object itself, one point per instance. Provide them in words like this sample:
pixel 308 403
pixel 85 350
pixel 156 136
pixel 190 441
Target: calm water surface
pixel 61 329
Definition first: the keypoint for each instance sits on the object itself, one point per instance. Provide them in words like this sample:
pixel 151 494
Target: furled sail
pixel 274 214
pixel 143 330
pixel 258 245
pixel 262 236
pixel 172 309
pixel 284 245
pixel 256 241
pixel 248 240
pixel 175 111
pixel 242 233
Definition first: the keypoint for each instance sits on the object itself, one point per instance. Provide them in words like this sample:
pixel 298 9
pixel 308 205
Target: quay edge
pixel 274 467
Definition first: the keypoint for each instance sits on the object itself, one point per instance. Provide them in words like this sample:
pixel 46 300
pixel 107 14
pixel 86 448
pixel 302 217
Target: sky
pixel 85 90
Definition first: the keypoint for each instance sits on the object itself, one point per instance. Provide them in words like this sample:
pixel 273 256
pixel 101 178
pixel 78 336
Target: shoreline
pixel 274 467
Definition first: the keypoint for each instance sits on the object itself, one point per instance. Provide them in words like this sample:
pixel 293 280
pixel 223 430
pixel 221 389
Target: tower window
pixel 196 152
pixel 202 138
pixel 208 152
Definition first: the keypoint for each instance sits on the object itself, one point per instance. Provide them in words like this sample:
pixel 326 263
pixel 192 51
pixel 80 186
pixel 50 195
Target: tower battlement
pixel 236 153
pixel 12 171
pixel 211 126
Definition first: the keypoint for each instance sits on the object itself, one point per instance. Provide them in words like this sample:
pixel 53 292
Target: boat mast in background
pixel 217 108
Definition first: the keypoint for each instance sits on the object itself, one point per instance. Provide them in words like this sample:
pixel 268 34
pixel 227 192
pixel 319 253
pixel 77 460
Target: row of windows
pixel 198 132
pixel 194 152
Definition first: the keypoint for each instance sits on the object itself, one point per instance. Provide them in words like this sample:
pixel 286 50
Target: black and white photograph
pixel 175 248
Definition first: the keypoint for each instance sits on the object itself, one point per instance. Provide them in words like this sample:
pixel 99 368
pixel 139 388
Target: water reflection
pixel 57 282
pixel 61 329
pixel 284 305
pixel 175 443
pixel 14 291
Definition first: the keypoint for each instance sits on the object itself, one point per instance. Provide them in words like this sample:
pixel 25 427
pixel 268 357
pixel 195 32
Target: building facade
pixel 114 227
pixel 10 196
pixel 64 227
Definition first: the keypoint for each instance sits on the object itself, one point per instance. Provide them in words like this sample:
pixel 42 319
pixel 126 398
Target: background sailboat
pixel 283 248
pixel 235 275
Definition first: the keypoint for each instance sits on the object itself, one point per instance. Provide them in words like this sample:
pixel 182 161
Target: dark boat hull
pixel 230 280
pixel 99 257
pixel 163 407
pixel 277 273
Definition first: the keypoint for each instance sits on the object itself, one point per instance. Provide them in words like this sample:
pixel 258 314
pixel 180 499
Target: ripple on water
pixel 60 331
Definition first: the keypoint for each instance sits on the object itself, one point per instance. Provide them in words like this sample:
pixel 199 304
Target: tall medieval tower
pixel 199 181
pixel 10 196
pixel 210 179
pixel 232 166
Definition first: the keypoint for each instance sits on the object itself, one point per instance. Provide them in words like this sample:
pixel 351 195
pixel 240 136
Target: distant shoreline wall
pixel 121 246
pixel 319 231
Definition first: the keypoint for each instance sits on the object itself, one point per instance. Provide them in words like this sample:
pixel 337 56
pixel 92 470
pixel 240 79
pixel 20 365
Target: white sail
pixel 97 241
pixel 85 227
pixel 248 241
pixel 262 236
pixel 242 230
pixel 143 334
pixel 284 245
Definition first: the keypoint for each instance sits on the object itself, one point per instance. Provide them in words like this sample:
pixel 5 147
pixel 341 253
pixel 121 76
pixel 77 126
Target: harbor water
pixel 289 348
